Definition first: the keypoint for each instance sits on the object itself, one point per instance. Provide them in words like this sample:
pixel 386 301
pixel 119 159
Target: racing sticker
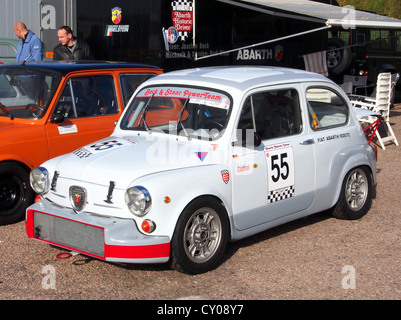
pixel 67 129
pixel 280 172
pixel 225 175
pixel 107 145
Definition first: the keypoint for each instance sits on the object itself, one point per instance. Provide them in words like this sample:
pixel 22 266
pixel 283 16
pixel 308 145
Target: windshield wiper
pixel 145 109
pixel 4 108
pixel 179 122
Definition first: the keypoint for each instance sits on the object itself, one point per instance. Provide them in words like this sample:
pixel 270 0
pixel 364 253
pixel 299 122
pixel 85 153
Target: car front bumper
pixel 105 238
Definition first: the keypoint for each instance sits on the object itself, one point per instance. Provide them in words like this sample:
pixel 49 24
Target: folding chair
pixel 379 104
pixel 358 82
pixel 316 62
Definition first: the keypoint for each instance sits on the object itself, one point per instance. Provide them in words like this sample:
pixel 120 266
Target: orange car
pixel 48 109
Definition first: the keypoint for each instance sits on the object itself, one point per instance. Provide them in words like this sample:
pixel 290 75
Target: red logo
pixel 116 15
pixel 225 175
pixel 77 198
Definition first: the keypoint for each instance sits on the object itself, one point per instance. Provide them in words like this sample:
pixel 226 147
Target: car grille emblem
pixel 77 198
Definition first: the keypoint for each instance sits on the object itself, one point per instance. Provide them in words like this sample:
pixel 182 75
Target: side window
pixel 326 108
pixel 88 97
pixel 129 83
pixel 272 114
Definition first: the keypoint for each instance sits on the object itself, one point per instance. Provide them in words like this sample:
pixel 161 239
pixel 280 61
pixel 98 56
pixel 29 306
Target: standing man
pixel 71 48
pixel 30 46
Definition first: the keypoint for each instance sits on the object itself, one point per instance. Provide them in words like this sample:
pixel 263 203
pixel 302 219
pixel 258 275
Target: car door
pixel 276 178
pixel 329 116
pixel 86 111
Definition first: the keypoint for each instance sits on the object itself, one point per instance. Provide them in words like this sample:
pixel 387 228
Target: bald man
pixel 30 46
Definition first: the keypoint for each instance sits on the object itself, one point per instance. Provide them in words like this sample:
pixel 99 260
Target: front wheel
pixel 356 195
pixel 200 237
pixel 15 192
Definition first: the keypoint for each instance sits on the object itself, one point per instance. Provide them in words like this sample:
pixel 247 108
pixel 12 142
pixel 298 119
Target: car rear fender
pixel 354 157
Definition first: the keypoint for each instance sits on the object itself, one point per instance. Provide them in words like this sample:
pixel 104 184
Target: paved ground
pixel 313 258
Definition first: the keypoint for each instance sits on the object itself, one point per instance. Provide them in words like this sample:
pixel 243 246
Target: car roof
pixel 239 77
pixel 65 67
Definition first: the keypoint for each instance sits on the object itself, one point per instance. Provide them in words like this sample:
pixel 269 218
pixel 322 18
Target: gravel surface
pixel 312 258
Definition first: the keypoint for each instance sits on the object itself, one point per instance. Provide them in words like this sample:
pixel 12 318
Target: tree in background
pixel 392 8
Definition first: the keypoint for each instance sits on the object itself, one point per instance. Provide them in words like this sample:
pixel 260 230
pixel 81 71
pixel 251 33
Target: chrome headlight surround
pixel 138 200
pixel 39 180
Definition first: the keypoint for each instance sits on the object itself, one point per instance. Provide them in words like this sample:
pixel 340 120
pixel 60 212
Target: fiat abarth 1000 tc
pixel 204 156
pixel 48 109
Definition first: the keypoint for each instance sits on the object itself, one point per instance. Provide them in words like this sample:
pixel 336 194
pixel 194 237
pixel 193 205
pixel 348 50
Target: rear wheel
pixel 200 237
pixel 15 192
pixel 356 195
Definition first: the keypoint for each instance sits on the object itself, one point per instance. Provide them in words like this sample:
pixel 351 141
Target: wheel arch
pixel 182 187
pixel 356 161
pixel 207 197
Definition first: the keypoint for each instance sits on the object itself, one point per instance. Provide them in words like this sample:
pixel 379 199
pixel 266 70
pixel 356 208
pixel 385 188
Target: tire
pixel 200 237
pixel 356 195
pixel 339 56
pixel 15 192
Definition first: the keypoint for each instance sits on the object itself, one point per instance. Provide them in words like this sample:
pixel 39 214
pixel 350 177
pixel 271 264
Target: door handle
pixel 307 142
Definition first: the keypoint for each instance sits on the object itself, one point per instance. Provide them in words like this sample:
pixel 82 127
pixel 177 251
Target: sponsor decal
pixel 201 155
pixel 116 17
pixel 225 175
pixel 243 168
pixel 172 35
pixel 67 129
pixel 278 53
pixel 182 17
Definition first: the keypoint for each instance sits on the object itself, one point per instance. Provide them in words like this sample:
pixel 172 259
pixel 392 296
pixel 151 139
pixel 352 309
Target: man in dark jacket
pixel 71 48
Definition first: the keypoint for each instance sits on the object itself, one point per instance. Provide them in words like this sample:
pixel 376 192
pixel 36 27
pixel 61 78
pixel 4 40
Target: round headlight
pixel 138 200
pixel 39 179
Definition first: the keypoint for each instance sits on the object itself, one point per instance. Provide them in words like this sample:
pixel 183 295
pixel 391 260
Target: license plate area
pixel 68 233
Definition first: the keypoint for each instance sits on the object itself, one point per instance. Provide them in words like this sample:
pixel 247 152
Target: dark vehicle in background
pixel 366 51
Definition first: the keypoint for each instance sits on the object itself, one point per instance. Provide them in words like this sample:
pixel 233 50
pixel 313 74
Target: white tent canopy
pixel 329 15
pixel 318 12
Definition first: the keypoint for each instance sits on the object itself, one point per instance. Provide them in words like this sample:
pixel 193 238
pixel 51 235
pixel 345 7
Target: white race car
pixel 202 157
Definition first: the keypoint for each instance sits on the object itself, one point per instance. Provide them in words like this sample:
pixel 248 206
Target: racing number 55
pixel 280 164
pixel 283 167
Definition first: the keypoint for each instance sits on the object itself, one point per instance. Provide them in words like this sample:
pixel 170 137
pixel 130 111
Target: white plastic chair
pixel 380 104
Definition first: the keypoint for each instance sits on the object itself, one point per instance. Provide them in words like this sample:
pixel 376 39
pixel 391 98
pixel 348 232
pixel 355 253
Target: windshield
pixel 192 112
pixel 26 93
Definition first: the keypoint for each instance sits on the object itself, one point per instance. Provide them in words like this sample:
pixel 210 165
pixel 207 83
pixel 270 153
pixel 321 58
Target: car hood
pixel 6 124
pixel 124 159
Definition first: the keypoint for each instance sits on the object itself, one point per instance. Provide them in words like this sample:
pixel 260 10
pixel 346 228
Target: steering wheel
pixel 33 105
pixel 211 124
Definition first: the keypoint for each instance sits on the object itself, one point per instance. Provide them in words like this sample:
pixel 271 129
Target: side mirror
pixel 57 118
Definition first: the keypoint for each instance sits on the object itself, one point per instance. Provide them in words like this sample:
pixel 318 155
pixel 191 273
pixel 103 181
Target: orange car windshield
pixel 194 112
pixel 26 93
